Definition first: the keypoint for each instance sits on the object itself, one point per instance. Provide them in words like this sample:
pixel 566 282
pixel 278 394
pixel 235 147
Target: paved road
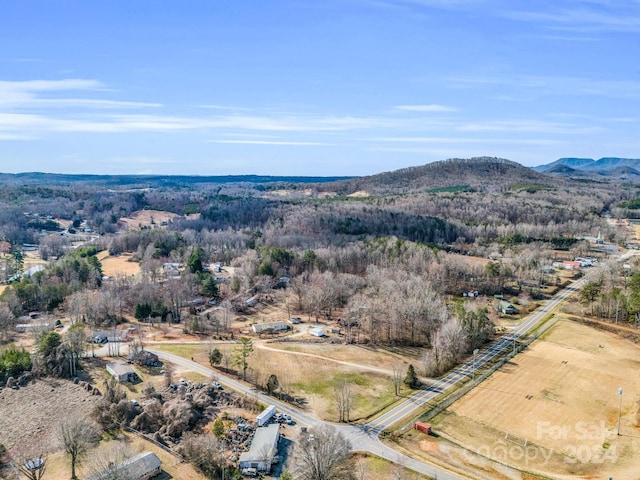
pixel 361 438
pixel 465 372
pixel 366 437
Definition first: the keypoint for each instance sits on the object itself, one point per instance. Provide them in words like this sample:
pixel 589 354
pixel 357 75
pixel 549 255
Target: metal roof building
pixel 141 467
pixel 263 448
pixel 121 371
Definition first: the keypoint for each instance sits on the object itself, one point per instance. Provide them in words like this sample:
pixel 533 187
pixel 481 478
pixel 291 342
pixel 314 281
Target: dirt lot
pixel 554 409
pixel 29 415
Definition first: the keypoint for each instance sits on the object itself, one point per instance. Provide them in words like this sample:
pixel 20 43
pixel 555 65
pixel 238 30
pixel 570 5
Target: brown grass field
pixel 118 265
pixel 310 378
pixel 147 218
pixel 554 408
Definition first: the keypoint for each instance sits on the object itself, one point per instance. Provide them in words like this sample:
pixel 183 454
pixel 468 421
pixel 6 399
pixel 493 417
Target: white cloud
pixel 31 124
pixel 425 108
pixel 271 142
pixel 32 94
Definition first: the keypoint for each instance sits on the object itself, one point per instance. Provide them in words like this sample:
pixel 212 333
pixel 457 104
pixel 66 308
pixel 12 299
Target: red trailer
pixel 422 427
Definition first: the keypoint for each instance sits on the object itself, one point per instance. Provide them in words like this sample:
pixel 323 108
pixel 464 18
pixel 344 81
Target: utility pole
pixel 475 352
pixel 619 409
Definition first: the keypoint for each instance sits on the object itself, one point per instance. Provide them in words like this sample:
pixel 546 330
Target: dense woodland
pixel 388 252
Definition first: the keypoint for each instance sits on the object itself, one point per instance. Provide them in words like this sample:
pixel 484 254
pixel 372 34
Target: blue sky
pixel 332 87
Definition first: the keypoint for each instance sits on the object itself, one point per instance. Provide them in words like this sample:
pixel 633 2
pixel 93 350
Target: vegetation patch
pixel 451 189
pixel 531 187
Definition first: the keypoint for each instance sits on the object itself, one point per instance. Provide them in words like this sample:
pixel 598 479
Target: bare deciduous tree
pixel 323 456
pixel 344 400
pixel 75 339
pixel 107 463
pixel 77 436
pixel 398 375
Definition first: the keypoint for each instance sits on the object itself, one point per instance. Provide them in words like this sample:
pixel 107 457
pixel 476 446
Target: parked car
pixel 217 385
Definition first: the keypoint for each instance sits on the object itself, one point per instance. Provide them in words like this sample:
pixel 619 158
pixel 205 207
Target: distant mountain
pixel 573 163
pixel 480 173
pixel 613 168
pixel 145 181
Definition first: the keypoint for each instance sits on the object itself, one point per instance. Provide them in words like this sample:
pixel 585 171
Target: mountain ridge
pixel 612 167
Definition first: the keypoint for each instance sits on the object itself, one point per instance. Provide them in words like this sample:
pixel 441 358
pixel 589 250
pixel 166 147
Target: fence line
pixel 154 441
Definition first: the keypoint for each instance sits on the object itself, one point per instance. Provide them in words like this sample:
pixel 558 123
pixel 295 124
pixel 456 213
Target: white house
pixel 270 327
pixel 264 447
pixel 121 372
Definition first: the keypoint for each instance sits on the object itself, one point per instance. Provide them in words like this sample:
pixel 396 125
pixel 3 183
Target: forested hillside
pixel 386 251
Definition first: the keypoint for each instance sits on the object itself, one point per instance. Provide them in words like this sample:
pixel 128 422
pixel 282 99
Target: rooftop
pixel 264 438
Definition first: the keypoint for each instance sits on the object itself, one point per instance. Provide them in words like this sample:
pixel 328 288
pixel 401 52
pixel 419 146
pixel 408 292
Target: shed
pixel 422 427
pixel 143 466
pixel 317 332
pixel 121 372
pixel 264 447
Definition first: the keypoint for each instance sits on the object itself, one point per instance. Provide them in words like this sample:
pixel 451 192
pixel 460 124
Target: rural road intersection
pixel 365 437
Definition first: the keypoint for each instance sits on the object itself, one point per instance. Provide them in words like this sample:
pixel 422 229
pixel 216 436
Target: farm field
pixel 147 218
pixel 554 408
pixel 118 265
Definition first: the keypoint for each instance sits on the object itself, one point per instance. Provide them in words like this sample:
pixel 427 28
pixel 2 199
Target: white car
pixel 182 381
pixel 217 385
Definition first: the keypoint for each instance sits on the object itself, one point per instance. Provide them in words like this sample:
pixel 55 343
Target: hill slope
pixel 480 173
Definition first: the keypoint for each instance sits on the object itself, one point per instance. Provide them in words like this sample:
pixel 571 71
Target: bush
pixel 14 361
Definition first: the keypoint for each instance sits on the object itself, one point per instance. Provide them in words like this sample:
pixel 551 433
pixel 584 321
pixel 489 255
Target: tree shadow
pixel 285 452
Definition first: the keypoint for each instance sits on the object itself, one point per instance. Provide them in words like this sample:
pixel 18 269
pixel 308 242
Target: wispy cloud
pixel 551 85
pixel 425 108
pixel 584 16
pixel 459 140
pixel 34 94
pixel 272 142
pixel 440 4
pixel 31 124
pixel 528 126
